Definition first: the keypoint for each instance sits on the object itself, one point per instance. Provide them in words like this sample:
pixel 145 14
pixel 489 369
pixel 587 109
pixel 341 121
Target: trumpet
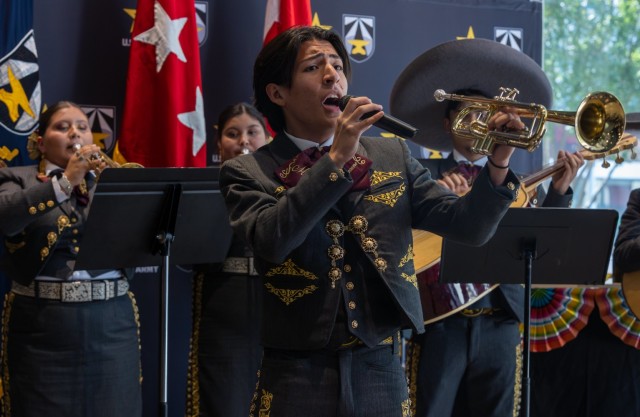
pixel 103 157
pixel 599 121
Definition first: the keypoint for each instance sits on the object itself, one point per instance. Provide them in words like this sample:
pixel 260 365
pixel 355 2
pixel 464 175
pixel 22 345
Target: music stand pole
pixel 164 237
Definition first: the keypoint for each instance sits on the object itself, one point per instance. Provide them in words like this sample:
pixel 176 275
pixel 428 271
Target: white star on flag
pixel 195 121
pixel 164 35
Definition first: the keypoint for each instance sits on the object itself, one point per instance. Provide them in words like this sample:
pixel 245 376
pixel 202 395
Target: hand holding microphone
pixel 387 122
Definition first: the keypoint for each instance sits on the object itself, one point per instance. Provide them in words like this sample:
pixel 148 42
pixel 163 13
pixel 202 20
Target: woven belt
pixel 237 265
pixel 475 312
pixel 74 291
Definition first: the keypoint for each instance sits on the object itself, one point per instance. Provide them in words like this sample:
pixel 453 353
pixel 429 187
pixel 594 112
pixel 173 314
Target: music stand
pixel 567 246
pixel 156 216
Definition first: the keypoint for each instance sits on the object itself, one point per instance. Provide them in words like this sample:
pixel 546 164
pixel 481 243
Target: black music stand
pixel 156 216
pixel 566 246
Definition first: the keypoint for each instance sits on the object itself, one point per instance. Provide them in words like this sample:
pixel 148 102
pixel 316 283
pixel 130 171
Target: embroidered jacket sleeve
pixel 471 219
pixel 23 200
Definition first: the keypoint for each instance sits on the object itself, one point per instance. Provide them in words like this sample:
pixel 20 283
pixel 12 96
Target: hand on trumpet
pixel 85 158
pixel 506 119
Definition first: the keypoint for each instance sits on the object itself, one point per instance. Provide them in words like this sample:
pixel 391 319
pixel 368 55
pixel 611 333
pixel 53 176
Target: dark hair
pixel 453 105
pixel 275 63
pixel 236 110
pixel 45 117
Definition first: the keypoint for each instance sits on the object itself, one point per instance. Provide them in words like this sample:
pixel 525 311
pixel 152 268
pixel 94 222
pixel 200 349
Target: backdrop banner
pixel 83 55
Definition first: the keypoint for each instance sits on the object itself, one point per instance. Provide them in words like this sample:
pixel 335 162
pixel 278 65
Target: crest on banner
pixel 102 121
pixel 20 95
pixel 358 33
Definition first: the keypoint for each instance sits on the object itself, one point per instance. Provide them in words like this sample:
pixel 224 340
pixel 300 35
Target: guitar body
pixel 631 291
pixel 427 248
pixel 442 300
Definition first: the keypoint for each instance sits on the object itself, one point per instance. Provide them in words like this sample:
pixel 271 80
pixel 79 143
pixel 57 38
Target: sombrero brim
pixel 478 64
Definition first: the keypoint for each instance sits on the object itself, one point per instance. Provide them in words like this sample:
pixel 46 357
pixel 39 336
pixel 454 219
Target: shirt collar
pixel 458 157
pixel 303 144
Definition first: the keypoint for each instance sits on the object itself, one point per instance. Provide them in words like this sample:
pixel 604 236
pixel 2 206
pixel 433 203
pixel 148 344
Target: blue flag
pixel 20 93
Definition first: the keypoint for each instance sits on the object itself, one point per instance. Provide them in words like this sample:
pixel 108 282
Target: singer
pixel 328 214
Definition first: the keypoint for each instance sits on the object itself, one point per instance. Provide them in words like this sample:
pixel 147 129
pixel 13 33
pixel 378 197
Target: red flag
pixel 283 14
pixel 163 123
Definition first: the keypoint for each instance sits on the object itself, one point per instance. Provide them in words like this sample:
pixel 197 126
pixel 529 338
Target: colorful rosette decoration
pixel 557 316
pixel 617 315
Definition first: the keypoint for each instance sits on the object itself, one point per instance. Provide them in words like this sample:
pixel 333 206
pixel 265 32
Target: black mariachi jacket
pixel 298 234
pixel 32 223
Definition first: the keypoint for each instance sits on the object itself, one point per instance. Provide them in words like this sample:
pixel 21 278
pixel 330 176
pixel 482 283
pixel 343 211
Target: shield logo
pixel 20 94
pixel 358 33
pixel 202 19
pixel 102 121
pixel 512 37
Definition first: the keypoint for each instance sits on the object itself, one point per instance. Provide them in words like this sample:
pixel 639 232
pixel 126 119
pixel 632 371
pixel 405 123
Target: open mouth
pixel 332 101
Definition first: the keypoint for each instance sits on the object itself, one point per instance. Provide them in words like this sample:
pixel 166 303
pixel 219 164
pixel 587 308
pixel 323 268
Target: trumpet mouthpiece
pixel 440 95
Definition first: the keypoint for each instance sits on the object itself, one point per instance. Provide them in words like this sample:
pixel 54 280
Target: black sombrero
pixel 478 64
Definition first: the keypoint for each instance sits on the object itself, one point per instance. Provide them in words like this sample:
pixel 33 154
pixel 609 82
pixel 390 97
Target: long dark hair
pixel 275 63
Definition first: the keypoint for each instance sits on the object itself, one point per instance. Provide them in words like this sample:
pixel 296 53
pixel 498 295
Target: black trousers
pixel 467 367
pixel 225 351
pixel 356 382
pixel 71 359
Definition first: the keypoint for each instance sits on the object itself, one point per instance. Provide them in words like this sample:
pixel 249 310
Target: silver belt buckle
pixel 100 290
pixel 75 292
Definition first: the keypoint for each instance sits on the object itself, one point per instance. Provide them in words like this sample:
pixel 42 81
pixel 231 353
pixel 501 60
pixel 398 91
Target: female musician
pixel 225 350
pixel 70 342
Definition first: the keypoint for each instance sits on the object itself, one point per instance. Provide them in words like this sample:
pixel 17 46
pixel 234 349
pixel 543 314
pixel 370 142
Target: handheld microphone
pixel 388 123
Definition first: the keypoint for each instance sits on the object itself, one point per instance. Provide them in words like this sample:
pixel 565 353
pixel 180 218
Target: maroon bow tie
pixel 468 170
pixel 292 170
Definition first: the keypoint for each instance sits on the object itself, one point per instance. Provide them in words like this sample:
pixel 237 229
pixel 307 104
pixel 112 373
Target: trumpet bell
pixel 599 121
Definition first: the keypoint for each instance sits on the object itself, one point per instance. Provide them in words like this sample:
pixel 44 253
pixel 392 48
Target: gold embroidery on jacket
pixel 379 176
pixel 279 190
pixel 290 268
pixel 407 257
pixel 288 296
pixel 389 198
pixel 293 167
pixel 413 279
pixel 12 247
pixel 265 404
